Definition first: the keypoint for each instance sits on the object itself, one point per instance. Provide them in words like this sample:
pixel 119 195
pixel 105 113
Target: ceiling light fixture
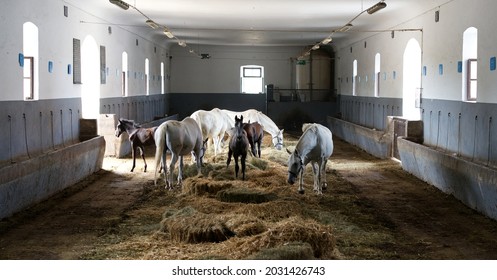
pixel 345 28
pixel 375 8
pixel 168 33
pixel 326 41
pixel 121 4
pixel 371 10
pixel 152 24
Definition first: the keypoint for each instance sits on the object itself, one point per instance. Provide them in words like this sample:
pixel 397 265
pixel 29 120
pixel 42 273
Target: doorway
pixel 90 78
pixel 412 81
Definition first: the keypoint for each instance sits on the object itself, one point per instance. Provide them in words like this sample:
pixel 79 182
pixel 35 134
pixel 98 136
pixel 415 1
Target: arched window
pixel 124 74
pixel 162 78
pixel 147 74
pixel 252 79
pixel 354 77
pixel 90 78
pixel 30 57
pixel 377 70
pixel 470 64
pixel 411 80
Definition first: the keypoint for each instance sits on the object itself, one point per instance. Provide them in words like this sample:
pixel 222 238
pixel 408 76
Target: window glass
pixel 252 79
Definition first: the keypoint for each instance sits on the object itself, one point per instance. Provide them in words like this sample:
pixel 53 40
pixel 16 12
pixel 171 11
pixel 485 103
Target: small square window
pixel 252 72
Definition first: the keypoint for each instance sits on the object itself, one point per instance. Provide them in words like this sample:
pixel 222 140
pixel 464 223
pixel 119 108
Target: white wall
pixel 391 52
pixel 441 43
pixel 221 73
pixel 56 33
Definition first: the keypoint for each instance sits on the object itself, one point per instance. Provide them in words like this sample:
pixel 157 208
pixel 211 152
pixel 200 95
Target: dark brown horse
pixel 238 146
pixel 138 136
pixel 255 133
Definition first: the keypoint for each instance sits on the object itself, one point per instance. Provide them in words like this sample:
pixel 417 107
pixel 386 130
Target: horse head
pixel 201 152
pixel 238 121
pixel 295 166
pixel 278 140
pixel 238 131
pixel 120 128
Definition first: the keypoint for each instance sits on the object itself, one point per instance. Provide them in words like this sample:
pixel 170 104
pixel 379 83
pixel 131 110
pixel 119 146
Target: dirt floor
pixel 371 209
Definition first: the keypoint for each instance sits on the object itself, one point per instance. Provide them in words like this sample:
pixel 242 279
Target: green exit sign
pixel 300 62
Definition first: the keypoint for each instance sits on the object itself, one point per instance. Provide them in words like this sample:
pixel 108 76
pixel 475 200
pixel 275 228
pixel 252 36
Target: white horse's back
pixel 179 137
pixel 318 137
pixel 213 125
pixel 252 115
pixel 315 146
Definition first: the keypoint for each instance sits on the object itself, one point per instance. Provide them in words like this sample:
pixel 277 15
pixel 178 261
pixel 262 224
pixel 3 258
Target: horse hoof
pixel 301 191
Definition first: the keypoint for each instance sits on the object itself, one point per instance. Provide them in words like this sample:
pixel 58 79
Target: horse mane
pixel 132 122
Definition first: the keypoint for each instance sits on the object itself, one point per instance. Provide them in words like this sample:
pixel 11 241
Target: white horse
pixel 314 146
pixel 181 138
pixel 213 124
pixel 268 125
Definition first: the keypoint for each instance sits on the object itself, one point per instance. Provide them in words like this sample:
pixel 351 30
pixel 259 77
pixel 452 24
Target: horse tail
pixel 160 141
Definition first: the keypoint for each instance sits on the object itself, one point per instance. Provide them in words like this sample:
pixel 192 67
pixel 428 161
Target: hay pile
pixel 244 195
pixel 260 218
pixel 290 251
pixel 291 230
pixel 189 226
pixel 253 236
pixel 200 186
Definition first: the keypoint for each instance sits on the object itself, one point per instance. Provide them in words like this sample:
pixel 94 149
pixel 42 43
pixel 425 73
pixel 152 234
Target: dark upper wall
pixel 288 115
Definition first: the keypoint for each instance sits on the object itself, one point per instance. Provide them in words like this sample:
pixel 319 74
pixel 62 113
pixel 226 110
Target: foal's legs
pixel 244 156
pixel 230 153
pixel 142 152
pixel 133 155
pixel 253 143
pixel 259 146
pixel 236 166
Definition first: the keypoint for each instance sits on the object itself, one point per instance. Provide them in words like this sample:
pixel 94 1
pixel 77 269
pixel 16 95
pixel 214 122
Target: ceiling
pixel 254 22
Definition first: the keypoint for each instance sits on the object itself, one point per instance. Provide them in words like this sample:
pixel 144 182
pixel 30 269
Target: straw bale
pixel 272 211
pixel 258 163
pixel 293 229
pixel 190 226
pixel 244 225
pixel 290 251
pixel 200 186
pixel 244 195
pixel 205 204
